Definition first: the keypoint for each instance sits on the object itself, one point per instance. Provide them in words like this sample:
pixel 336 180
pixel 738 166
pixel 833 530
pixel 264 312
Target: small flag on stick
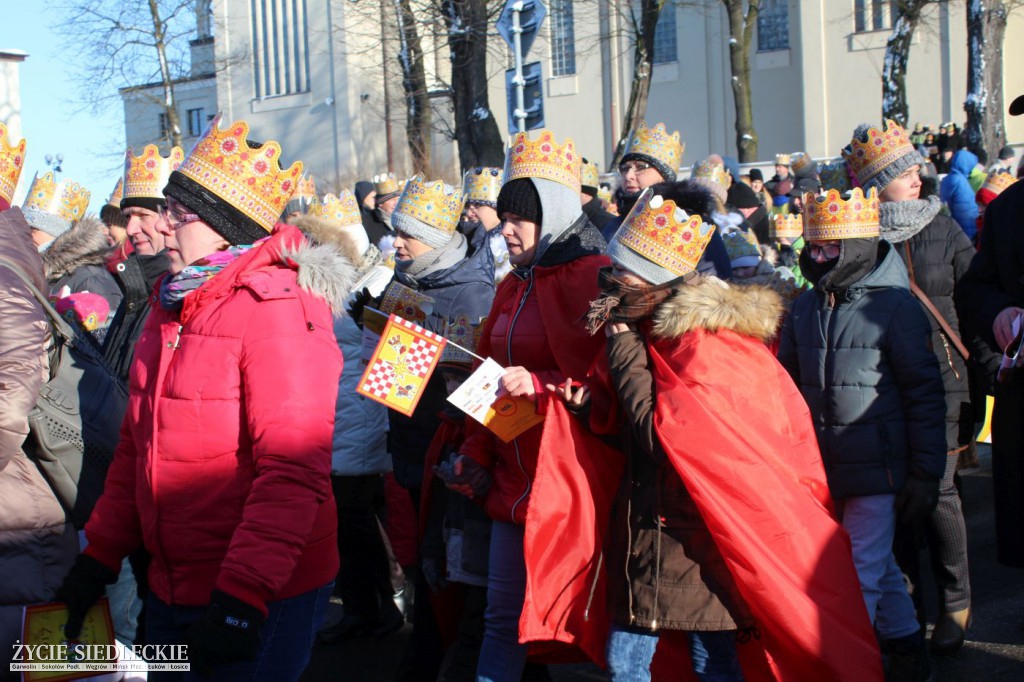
pixel 400 367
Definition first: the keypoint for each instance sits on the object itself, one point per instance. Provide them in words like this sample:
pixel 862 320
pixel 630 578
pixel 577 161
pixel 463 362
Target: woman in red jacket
pixel 223 469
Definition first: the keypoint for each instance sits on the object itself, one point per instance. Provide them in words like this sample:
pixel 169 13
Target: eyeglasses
pixel 635 166
pixel 830 251
pixel 175 219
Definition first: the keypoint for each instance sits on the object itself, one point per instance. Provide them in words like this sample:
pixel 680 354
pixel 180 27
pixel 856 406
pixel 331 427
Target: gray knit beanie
pixel 904 157
pixel 44 221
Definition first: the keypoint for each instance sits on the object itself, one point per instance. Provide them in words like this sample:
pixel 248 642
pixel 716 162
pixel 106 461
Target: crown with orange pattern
pixel 146 175
pixel 881 154
pixel 590 175
pixel 386 186
pixel 115 197
pixel 659 241
pixel 543 158
pixel 52 206
pixel 236 186
pixel 340 210
pixel 713 178
pixel 786 226
pixel 657 147
pixel 428 211
pixel 464 333
pixel 481 186
pixel 997 182
pixel 304 197
pixel 782 159
pixel 829 216
pixel 12 160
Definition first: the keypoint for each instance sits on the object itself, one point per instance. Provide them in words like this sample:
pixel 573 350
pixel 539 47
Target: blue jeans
pixel 871 523
pixel 125 605
pixel 286 637
pixel 502 657
pixel 630 652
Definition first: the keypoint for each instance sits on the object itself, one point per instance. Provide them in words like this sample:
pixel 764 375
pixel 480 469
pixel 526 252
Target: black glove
pixel 918 499
pixel 465 475
pixel 434 573
pixel 359 301
pixel 228 632
pixel 85 583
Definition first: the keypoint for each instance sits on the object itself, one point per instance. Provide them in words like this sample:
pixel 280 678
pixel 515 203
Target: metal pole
pixel 520 113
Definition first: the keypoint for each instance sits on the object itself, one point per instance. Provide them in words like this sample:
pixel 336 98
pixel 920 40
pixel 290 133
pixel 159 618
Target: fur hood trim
pixel 320 231
pixel 711 304
pixel 323 270
pixel 84 244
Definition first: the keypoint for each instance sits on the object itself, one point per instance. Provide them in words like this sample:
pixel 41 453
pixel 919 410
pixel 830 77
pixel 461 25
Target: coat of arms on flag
pixel 401 366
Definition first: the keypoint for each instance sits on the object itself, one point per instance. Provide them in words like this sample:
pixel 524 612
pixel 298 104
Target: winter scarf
pixel 901 220
pixel 434 260
pixel 173 290
pixel 625 303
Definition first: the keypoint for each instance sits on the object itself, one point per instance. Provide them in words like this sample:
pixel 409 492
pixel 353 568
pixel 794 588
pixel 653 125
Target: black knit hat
pixel 742 196
pixel 667 173
pixel 520 197
pixel 755 174
pixel 230 223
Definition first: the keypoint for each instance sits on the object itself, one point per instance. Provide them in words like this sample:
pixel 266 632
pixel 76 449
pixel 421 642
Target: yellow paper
pixel 44 625
pixel 986 430
pixel 480 398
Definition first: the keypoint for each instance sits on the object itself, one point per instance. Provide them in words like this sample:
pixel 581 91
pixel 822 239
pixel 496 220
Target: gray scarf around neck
pixel 901 220
pixel 434 260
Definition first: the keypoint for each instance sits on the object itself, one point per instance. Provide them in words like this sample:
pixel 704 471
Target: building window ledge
pixel 774 59
pixel 300 99
pixel 873 40
pixel 562 86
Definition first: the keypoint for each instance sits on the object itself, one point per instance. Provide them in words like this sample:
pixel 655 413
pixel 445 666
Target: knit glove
pixel 228 632
pixel 85 583
pixel 466 476
pixel 359 302
pixel 918 499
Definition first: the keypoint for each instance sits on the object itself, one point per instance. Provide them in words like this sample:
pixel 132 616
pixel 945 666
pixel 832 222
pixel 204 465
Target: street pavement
pixel 994 651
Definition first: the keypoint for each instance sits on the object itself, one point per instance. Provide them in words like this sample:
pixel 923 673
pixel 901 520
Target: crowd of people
pixel 752 396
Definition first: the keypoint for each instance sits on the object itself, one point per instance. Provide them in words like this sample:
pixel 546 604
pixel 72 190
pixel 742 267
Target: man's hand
pixel 575 398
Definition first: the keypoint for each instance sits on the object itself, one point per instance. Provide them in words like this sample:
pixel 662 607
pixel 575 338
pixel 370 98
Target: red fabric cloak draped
pixel 740 435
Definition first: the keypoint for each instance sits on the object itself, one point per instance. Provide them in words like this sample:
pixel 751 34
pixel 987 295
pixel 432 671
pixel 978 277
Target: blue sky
pixel 52 120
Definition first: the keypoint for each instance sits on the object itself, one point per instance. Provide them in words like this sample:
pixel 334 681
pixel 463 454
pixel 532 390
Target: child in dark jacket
pixel 858 347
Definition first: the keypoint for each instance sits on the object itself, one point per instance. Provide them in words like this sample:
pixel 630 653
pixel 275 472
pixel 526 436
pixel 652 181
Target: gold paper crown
pixel 740 243
pixel 340 210
pixel 437 204
pixel 65 199
pixel 657 143
pixel 464 333
pixel 782 159
pixel 997 182
pixel 543 158
pixel 882 148
pixel 788 226
pixel 385 183
pixel 251 180
pixel 306 189
pixel 115 197
pixel 590 176
pixel 12 160
pixel 835 176
pixel 604 193
pixel 481 185
pixel 145 176
pixel 829 216
pixel 714 173
pixel 801 163
pixel 406 303
pixel 664 234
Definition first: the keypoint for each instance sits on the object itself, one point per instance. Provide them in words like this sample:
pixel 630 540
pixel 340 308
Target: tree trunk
pixel 643 28
pixel 986 25
pixel 169 103
pixel 414 84
pixel 897 56
pixel 741 32
pixel 476 130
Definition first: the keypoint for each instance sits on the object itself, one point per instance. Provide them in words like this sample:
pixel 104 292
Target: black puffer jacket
pixel 137 276
pixel 864 365
pixel 940 255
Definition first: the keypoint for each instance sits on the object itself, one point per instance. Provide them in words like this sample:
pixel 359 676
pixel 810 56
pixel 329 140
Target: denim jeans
pixel 125 605
pixel 285 638
pixel 631 650
pixel 871 522
pixel 502 657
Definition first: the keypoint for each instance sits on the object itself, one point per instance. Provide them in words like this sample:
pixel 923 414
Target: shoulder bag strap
pixel 923 297
pixel 59 324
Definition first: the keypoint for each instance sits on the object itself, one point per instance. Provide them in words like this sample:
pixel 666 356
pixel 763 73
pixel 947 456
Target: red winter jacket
pixel 223 469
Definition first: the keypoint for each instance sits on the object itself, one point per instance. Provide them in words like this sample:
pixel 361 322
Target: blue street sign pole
pixel 520 112
pixel 518 24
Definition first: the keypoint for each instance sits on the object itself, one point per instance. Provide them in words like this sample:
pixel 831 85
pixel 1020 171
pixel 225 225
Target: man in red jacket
pixel 223 469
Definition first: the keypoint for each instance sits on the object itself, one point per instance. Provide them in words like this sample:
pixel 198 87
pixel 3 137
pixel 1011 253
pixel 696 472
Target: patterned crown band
pixel 434 204
pixel 997 182
pixel 835 176
pixel 340 210
pixel 782 159
pixel 466 334
pixel 658 144
pixel 714 173
pixel 868 158
pixel 590 176
pixel 146 175
pixel 481 185
pixel 249 179
pixel 65 200
pixel 786 226
pixel 664 234
pixel 385 184
pixel 543 158
pixel 12 160
pixel 828 216
pixel 115 197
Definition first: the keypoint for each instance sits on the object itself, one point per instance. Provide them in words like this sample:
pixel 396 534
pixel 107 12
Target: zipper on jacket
pixel 176 344
pixel 830 324
pixel 508 352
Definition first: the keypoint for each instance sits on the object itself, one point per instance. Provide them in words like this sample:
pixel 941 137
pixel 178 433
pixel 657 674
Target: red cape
pixel 740 435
